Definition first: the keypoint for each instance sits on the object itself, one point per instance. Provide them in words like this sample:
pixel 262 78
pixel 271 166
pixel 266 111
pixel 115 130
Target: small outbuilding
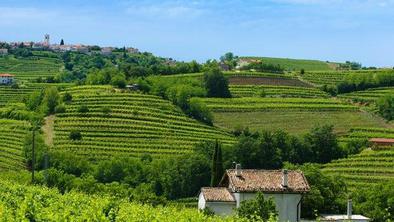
pixel 6 79
pixel 382 141
pixel 286 187
pixel 349 217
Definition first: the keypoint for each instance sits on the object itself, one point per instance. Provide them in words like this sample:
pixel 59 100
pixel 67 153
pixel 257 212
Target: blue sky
pixel 334 30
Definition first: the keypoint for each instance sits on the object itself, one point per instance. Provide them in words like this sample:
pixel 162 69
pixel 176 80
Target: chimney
pixel 238 170
pixel 349 209
pixel 285 179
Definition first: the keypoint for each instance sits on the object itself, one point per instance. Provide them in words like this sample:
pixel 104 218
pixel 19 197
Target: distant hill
pixel 297 64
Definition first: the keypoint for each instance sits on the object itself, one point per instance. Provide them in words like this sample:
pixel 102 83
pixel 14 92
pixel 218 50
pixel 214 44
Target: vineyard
pixel 275 91
pixel 12 139
pixel 34 203
pixel 248 104
pixel 369 95
pixel 324 78
pixel 368 167
pixel 30 68
pixel 297 64
pixel 11 95
pixel 130 124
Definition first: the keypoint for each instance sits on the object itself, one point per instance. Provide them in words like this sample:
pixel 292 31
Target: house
pixel 106 50
pixel 3 51
pixel 6 79
pixel 350 217
pixel 223 66
pixel 381 141
pixel 286 187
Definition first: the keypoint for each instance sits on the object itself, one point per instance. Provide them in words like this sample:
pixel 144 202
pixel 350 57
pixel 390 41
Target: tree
pixel 50 100
pixel 119 81
pixel 75 135
pixel 323 144
pixel 67 97
pixel 257 209
pixel 217 165
pixel 216 84
pixel 386 107
pixel 62 42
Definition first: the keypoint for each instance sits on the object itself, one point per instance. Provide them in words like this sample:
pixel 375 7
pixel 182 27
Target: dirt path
pixel 48 130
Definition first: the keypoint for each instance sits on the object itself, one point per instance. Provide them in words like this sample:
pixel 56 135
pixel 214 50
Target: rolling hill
pixel 128 123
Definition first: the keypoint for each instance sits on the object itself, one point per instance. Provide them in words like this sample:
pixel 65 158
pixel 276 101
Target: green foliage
pixel 263 67
pixel 119 81
pixel 61 108
pixel 50 100
pixel 323 144
pixel 257 209
pixel 216 83
pixel 83 109
pixel 328 193
pixel 67 97
pixel 217 165
pixel 366 80
pixel 385 106
pixel 75 135
pixel 200 111
pixel 376 202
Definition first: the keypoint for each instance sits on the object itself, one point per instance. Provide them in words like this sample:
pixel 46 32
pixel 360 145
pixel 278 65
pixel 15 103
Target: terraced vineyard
pixel 370 95
pixel 364 132
pixel 130 124
pixel 324 78
pixel 10 95
pixel 368 167
pixel 12 138
pixel 249 104
pixel 297 64
pixel 30 68
pixel 276 91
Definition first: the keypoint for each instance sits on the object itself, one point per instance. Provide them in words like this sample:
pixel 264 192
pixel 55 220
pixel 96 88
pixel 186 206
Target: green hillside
pixel 276 91
pixel 297 64
pixel 368 167
pixel 130 124
pixel 369 95
pixel 30 68
pixel 12 137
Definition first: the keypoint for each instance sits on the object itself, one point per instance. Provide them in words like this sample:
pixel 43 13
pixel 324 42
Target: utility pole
pixel 33 159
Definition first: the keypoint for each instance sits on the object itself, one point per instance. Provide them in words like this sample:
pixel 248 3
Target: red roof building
pixel 6 78
pixel 382 141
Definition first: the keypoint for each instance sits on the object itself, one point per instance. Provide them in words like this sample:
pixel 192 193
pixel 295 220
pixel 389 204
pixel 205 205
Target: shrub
pixel 106 110
pixel 257 208
pixel 216 83
pixel 75 135
pixel 83 109
pixel 67 97
pixel 200 111
pixel 60 109
pixel 385 107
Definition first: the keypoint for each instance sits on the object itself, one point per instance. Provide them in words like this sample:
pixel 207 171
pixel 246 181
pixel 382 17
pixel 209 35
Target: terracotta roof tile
pixel 265 181
pixel 381 140
pixel 6 75
pixel 217 194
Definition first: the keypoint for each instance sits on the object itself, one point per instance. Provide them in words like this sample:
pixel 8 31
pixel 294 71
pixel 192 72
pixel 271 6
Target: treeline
pixel 263 67
pixel 362 81
pixel 182 91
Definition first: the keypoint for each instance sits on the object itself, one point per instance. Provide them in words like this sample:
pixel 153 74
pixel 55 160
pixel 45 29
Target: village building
pixel 132 50
pixel 3 51
pixel 286 187
pixel 6 79
pixel 107 50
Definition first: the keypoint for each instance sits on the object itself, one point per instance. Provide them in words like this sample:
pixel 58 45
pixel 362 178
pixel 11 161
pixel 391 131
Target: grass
pixel 296 122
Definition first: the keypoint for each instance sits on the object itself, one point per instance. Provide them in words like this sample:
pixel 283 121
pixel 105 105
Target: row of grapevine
pixel 276 91
pixel 129 124
pixel 30 68
pixel 368 167
pixel 369 95
pixel 15 95
pixel 35 203
pixel 248 104
pixel 12 138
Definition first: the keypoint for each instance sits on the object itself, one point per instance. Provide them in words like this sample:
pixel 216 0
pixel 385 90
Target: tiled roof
pixel 217 194
pixel 381 140
pixel 265 181
pixel 6 75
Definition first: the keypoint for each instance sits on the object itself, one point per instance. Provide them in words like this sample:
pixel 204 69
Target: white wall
pixel 286 204
pixel 220 208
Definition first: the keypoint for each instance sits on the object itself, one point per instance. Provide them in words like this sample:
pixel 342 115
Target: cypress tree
pixel 62 42
pixel 217 165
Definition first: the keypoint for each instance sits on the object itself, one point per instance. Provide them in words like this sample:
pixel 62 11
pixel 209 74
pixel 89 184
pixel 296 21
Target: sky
pixel 328 30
